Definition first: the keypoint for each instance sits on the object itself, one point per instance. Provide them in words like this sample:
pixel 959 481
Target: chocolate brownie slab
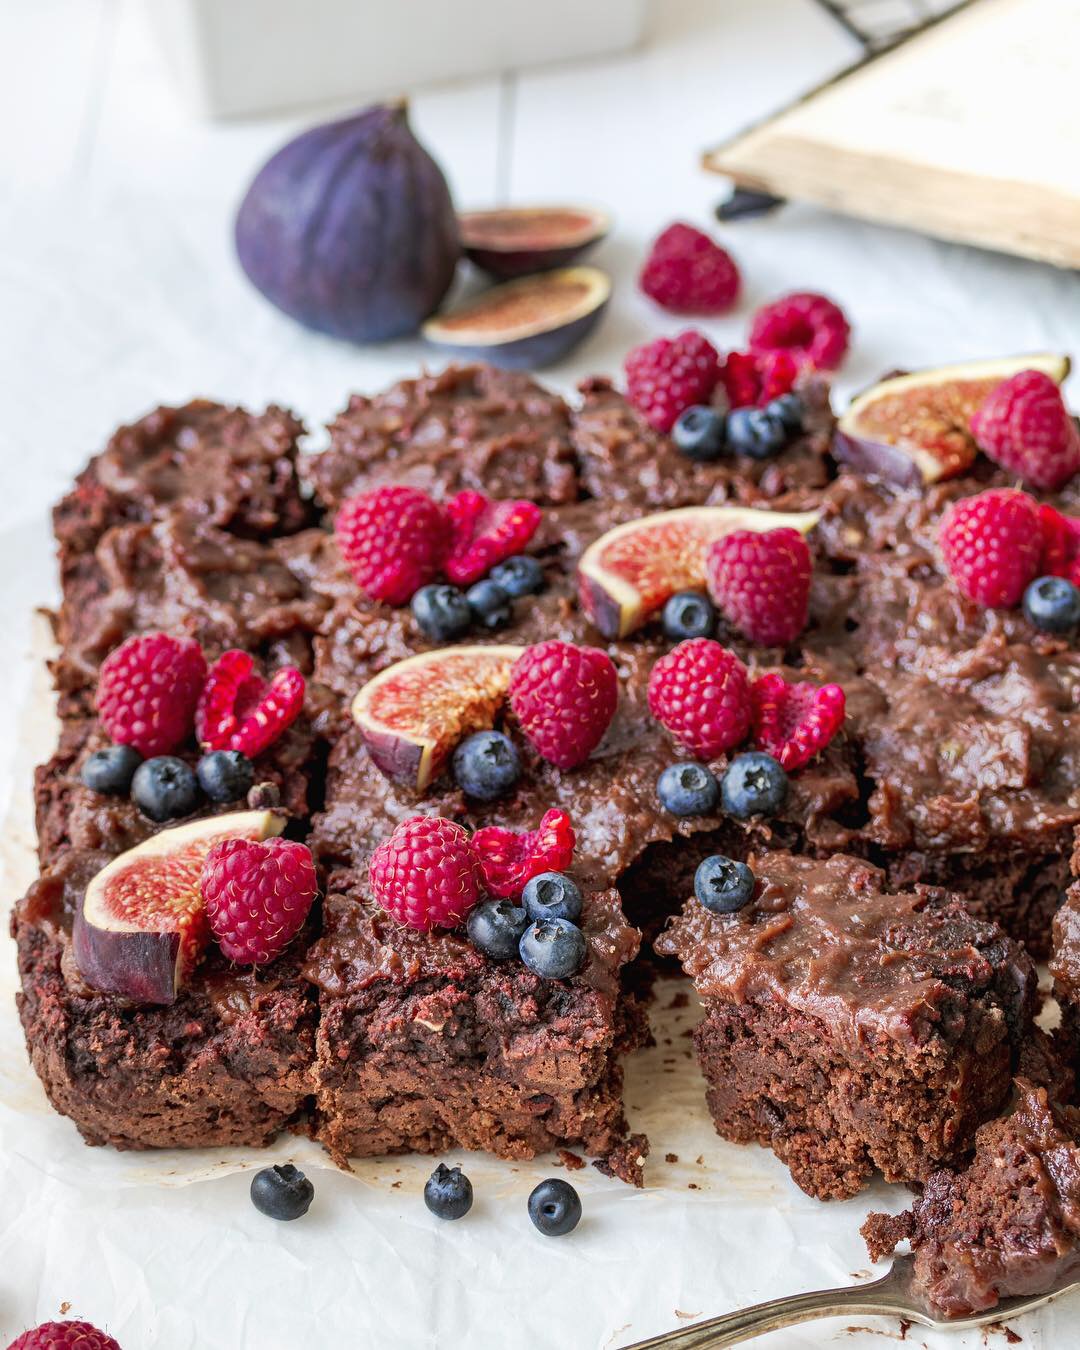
pixel 848 1028
pixel 229 467
pixel 229 1062
pixel 1008 1224
pixel 425 1044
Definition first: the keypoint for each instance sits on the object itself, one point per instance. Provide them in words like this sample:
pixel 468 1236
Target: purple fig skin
pixel 350 228
pixel 140 966
pixel 605 612
pixel 480 232
pixel 395 756
pixel 876 459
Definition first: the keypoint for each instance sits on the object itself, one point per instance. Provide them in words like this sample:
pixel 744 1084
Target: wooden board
pixel 969 131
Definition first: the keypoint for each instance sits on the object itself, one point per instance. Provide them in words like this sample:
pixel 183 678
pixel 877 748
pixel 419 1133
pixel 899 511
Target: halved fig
pixel 142 925
pixel 412 714
pixel 916 428
pixel 526 323
pixel 512 241
pixel 627 574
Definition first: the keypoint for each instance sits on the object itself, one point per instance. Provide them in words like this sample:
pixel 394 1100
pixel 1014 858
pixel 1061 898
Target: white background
pixel 118 290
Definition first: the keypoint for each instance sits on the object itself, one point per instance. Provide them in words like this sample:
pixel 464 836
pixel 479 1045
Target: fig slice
pixel 412 714
pixel 513 241
pixel 526 323
pixel 628 573
pixel 142 926
pixel 915 429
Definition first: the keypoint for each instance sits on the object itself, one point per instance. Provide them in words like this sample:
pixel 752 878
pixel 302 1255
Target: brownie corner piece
pixel 1006 1224
pixel 851 1029
pixel 425 1044
pixel 228 1063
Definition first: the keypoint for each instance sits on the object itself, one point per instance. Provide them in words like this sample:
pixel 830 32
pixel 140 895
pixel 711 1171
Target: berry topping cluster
pixel 688 273
pixel 1002 549
pixel 397 541
pixel 258 894
pixel 431 873
pixel 1024 426
pixel 155 696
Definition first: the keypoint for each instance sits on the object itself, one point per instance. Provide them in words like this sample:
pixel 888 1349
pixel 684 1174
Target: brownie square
pixel 425 1044
pixel 850 1029
pixel 1008 1224
pixel 229 1062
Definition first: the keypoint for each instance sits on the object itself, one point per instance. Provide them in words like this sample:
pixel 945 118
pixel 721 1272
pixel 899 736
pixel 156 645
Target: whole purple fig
pixel 350 228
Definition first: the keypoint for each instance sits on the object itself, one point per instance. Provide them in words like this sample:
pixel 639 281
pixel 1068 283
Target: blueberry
pixel 111 770
pixel 448 1193
pixel 520 575
pixel 489 603
pixel 688 789
pixel 555 1207
pixel 1053 604
pixel 723 885
pixel 754 785
pixel 689 614
pixel 553 948
pixel 442 612
pixel 699 433
pixel 281 1192
pixel 552 896
pixel 165 788
pixel 495 928
pixel 756 432
pixel 791 410
pixel 486 765
pixel 225 775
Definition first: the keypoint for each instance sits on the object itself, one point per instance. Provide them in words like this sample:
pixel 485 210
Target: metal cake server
pixel 891 1296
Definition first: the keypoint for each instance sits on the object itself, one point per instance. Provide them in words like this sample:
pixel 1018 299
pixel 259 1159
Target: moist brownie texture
pixel 958 767
pixel 850 1028
pixel 1006 1225
pixel 424 1043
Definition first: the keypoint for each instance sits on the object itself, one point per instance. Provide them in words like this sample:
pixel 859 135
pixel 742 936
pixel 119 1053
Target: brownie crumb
pixel 571 1161
pixel 627 1161
pixel 671 1157
pixel 679 1001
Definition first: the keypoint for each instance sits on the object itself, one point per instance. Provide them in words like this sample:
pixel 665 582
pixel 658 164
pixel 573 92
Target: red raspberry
pixel 688 273
pixel 485 532
pixel 665 377
pixel 750 379
pixel 564 697
pixel 699 691
pixel 510 858
pixel 426 874
pixel 64 1336
pixel 394 540
pixel 147 691
pixel 992 544
pixel 258 892
pixel 238 710
pixel 761 582
pixel 1060 545
pixel 810 327
pixel 794 722
pixel 1024 426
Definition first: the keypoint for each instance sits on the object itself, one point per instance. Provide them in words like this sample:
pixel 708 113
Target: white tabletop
pixel 118 291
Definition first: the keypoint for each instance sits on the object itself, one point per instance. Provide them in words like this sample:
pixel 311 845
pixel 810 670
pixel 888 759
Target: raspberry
pixel 1024 426
pixel 699 691
pixel 564 697
pixel 761 583
pixel 757 380
pixel 1060 545
pixel 511 858
pixel 665 377
pixel 64 1336
pixel 690 274
pixel 484 532
pixel 992 544
pixel 794 722
pixel 810 327
pixel 394 540
pixel 426 874
pixel 238 710
pixel 258 894
pixel 148 689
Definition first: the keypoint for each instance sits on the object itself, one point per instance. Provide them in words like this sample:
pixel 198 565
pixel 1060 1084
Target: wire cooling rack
pixel 882 23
